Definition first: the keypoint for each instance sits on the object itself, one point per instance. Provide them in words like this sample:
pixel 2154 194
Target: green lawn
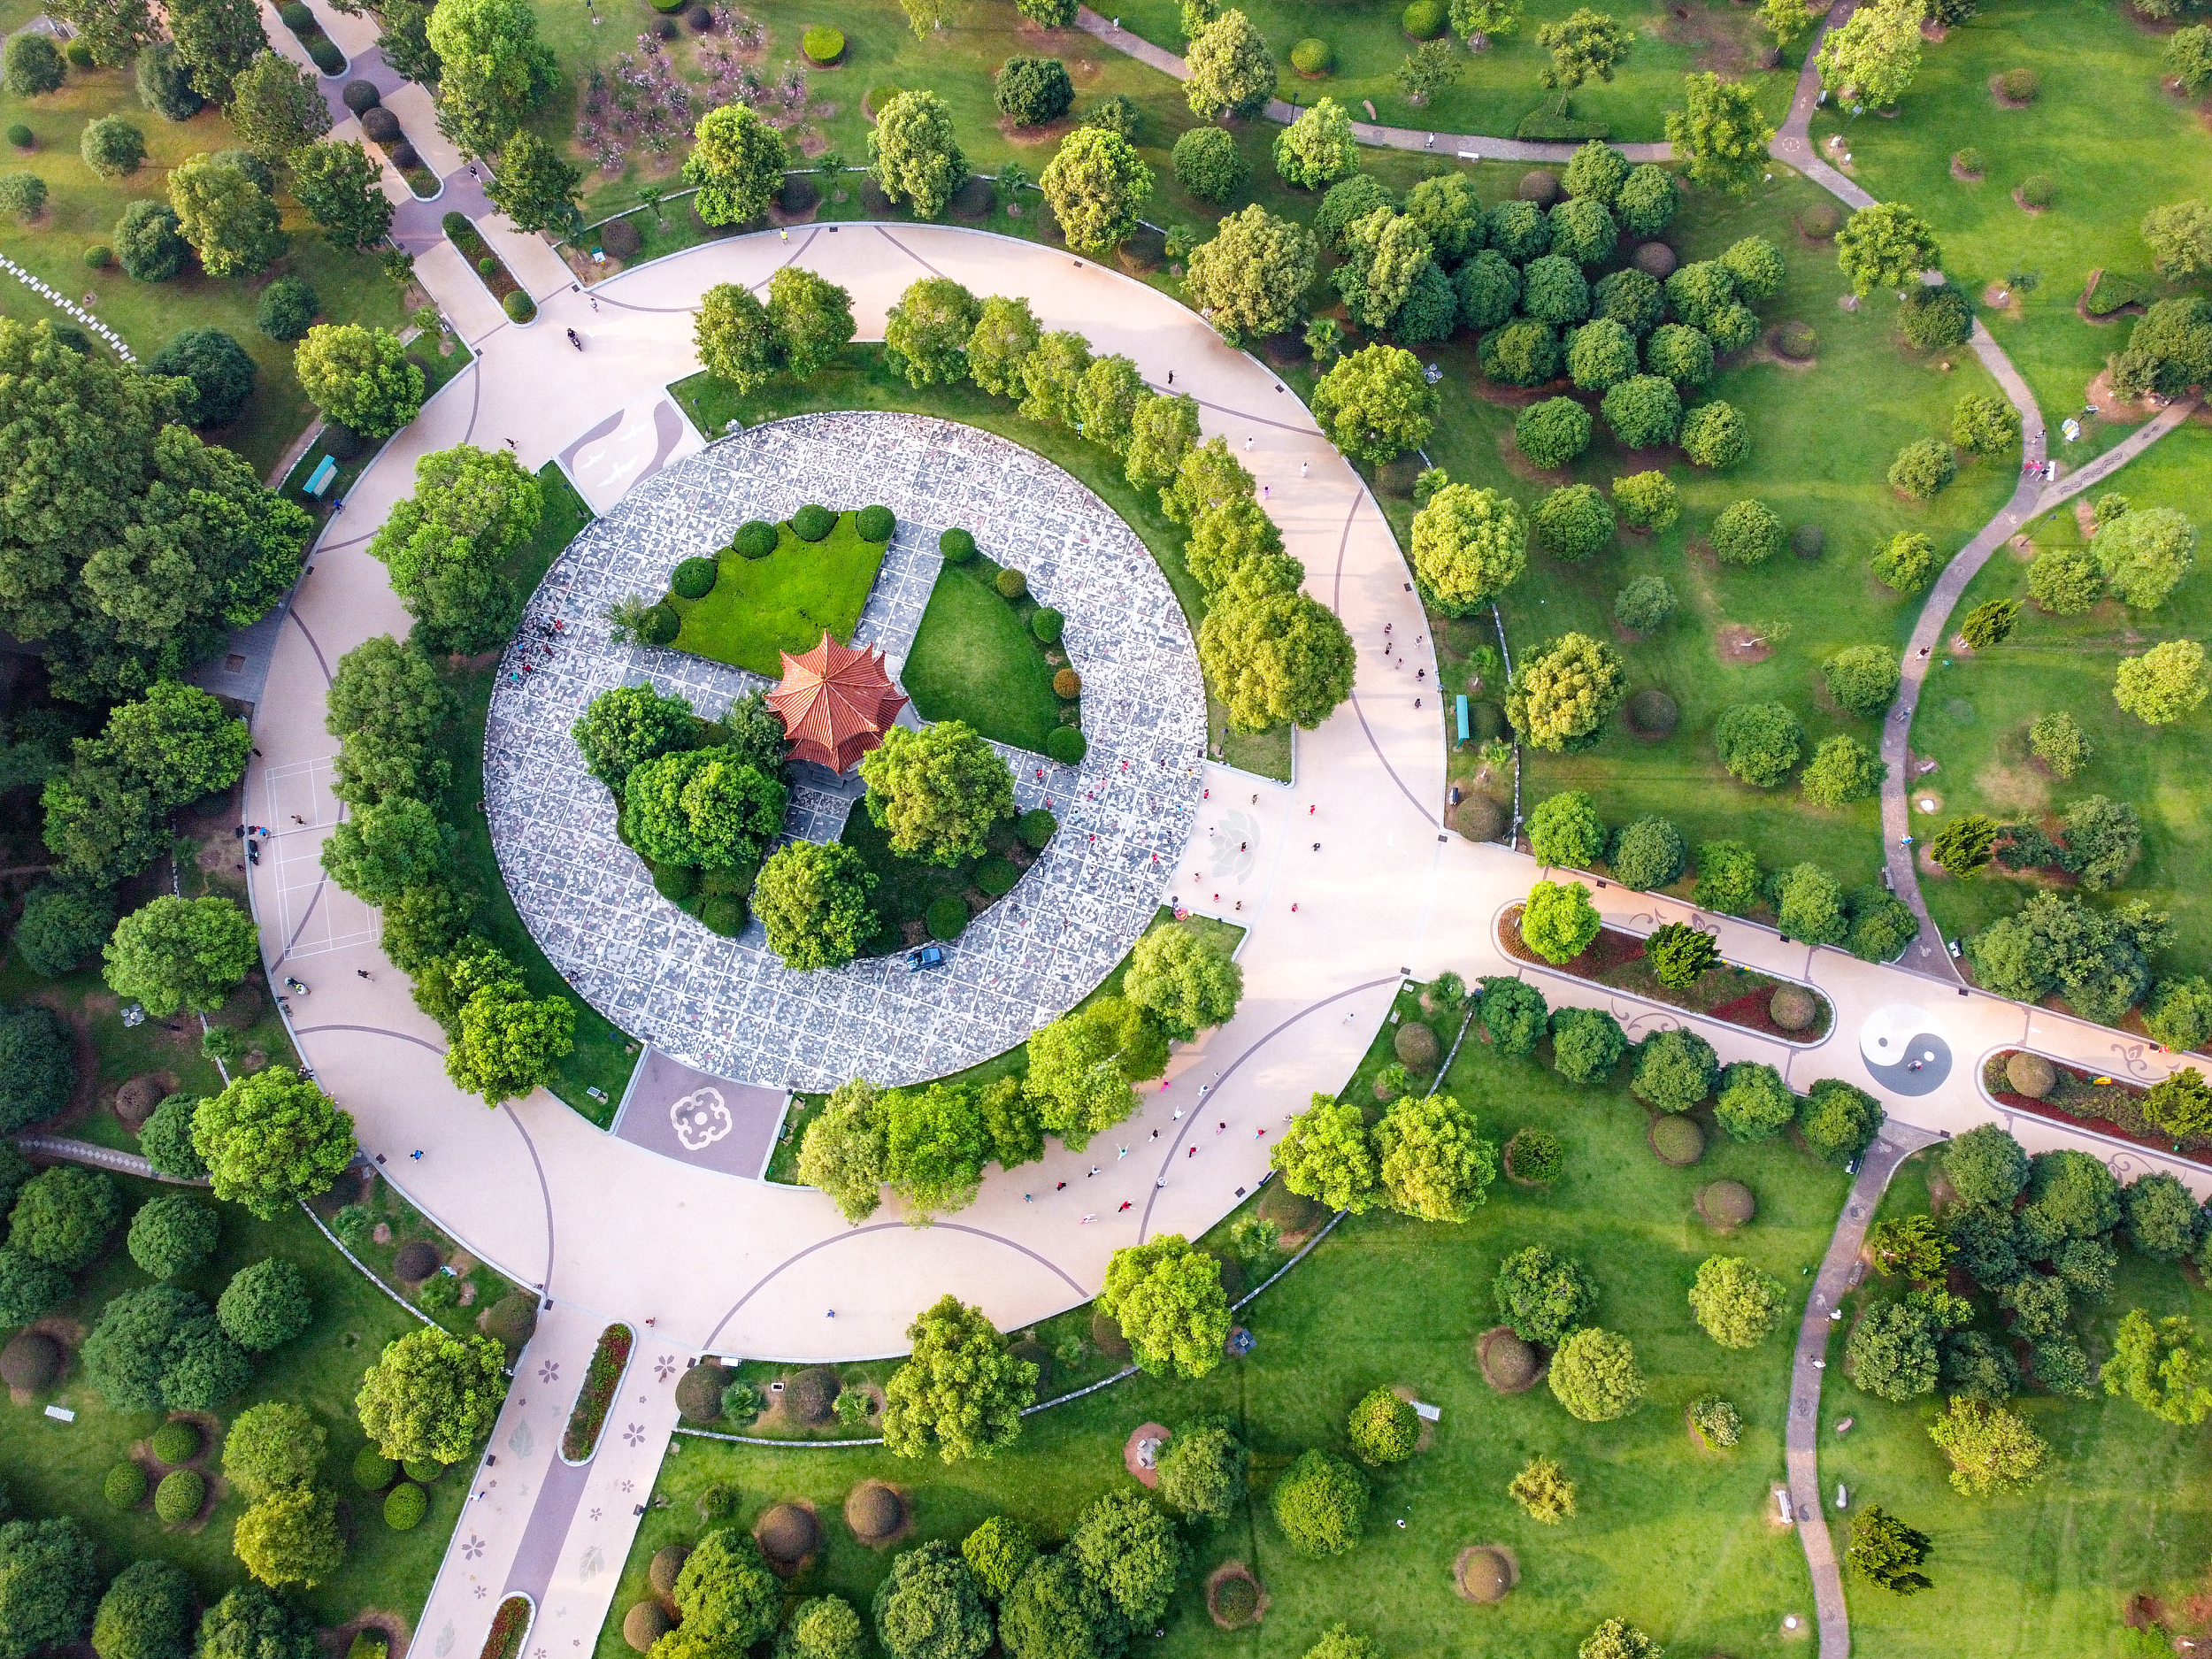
pixel 54 1468
pixel 1674 1537
pixel 975 659
pixel 860 379
pixel 2103 128
pixel 2122 1512
pixel 605 1055
pixel 1973 722
pixel 82 209
pixel 906 888
pixel 760 608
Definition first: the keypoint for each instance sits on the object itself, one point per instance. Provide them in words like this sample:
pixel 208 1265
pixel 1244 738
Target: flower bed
pixel 509 1626
pixel 309 34
pixel 489 267
pixel 1731 994
pixel 2090 1100
pixel 581 1437
pixel 381 128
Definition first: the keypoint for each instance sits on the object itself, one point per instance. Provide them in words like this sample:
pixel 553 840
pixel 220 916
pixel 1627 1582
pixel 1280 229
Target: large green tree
pixel 1468 546
pixel 844 1150
pixel 275 107
pixel 938 791
pixel 2164 1366
pixel 1097 187
pixel 269 1138
pixel 1132 1551
pixel 160 1349
pixel 231 221
pixel 1276 658
pixel 737 161
pixel 1595 1375
pixel 1735 1304
pixel 926 334
pixel 913 154
pixel 291 1537
pixel 1250 280
pixel 1168 1300
pixel 1375 403
pixel 537 188
pixel 814 902
pixel 961 1391
pixel 215 40
pixel 146 1613
pixel 1184 980
pixel 1886 246
pixel 388 708
pixel 49 1578
pixel 493 70
pixel 431 1396
pixel 1083 1065
pixel 1720 134
pixel 173 953
pixel 1873 57
pixel 359 378
pixel 1559 694
pixel 1231 70
pixel 338 184
pixel 1435 1163
pixel 927 1607
pixel 446 545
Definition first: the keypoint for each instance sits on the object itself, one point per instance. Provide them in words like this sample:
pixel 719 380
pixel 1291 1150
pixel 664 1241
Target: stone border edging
pixel 2202 1160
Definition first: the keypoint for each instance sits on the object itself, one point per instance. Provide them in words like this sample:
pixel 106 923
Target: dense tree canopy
pixel 270 1137
pixel 431 1396
pixel 161 1348
pixel 937 791
pixel 1168 1300
pixel 445 545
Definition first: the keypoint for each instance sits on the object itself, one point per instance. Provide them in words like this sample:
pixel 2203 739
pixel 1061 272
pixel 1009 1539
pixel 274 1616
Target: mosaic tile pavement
pixel 728 1006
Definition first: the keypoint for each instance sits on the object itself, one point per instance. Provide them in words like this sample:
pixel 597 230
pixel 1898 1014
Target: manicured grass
pixel 81 209
pixel 55 1468
pixel 975 659
pixel 2123 1511
pixel 860 379
pixel 906 888
pixel 605 1054
pixel 2117 144
pixel 1973 721
pixel 1674 1537
pixel 760 608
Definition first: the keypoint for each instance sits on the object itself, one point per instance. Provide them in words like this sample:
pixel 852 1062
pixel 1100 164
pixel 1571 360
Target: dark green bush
pixel 125 1487
pixel 373 1472
pixel 997 877
pixel 177 1441
pixel 662 624
pixel 286 310
pixel 519 306
pixel 19 135
pixel 694 578
pixel 179 1496
pixel 875 523
pixel 404 1506
pixel 811 523
pixel 947 917
pixel 1066 744
pixel 1036 827
pixel 675 882
pixel 422 1471
pixel 1423 19
pixel 755 539
pixel 1048 624
pixel 723 913
pixel 1010 584
pixel 361 96
pixel 955 545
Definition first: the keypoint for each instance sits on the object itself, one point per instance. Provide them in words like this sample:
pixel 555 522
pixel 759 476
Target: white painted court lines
pixel 315 915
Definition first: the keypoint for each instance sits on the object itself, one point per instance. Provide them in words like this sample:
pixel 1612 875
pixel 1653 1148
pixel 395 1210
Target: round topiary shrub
pixel 1048 624
pixel 724 914
pixel 1067 685
pixel 813 523
pixel 1067 744
pixel 694 578
pixel 520 307
pixel 1654 259
pixel 2037 189
pixel 997 877
pixel 1677 1140
pixel 286 310
pixel 675 882
pixel 1313 58
pixel 380 125
pixel 662 624
pixel 1509 1364
pixel 666 28
pixel 698 19
pixel 373 1472
pixel 1796 341
pixel 955 545
pixel 1233 1601
pixel 2019 86
pixel 1820 221
pixel 667 1562
pixel 644 1624
pixel 874 1511
pixel 361 96
pixel 1010 584
pixel 1792 1008
pixel 21 136
pixel 823 44
pixel 620 238
pixel 1539 187
pixel 1480 819
pixel 1484 1575
pixel 755 539
pixel 417 1260
pixel 1726 1205
pixel 699 1392
pixel 1423 19
pixel 1106 1336
pixel 875 523
pixel 1652 713
pixel 296 17
pixel 1037 826
pixel 811 1395
pixel 99 257
pixel 1808 540
pixel 422 1471
pixel 177 1441
pixel 1415 1045
pixel 1383 1428
pixel 404 1506
pixel 177 1498
pixel 1536 1155
pixel 787 1534
pixel 2030 1074
pixel 947 917
pixel 125 1487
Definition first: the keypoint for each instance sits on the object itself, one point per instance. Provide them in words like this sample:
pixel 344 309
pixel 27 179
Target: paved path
pixel 1838 1272
pixel 1464 146
pixel 72 1151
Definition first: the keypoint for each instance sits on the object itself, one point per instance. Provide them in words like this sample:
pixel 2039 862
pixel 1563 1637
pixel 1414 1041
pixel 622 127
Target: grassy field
pixel 2050 1571
pixel 760 608
pixel 859 380
pixel 1676 1538
pixel 81 209
pixel 605 1055
pixel 2103 127
pixel 54 1468
pixel 1973 721
pixel 975 659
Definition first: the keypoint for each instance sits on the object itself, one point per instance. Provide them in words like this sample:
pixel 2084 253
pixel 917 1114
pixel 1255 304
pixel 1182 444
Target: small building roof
pixel 835 702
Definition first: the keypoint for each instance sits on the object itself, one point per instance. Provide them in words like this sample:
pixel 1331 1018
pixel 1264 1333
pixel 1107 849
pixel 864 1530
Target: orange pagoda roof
pixel 835 702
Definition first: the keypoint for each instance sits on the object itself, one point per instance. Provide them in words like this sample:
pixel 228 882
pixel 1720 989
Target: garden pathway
pixel 65 1149
pixel 1464 146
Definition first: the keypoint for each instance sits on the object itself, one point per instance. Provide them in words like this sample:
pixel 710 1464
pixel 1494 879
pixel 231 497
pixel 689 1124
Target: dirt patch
pixel 1964 176
pixel 1517 397
pixel 2013 786
pixel 2113 408
pixel 392 1626
pixel 1997 92
pixel 1739 644
pixel 1468 1556
pixel 1050 133
pixel 1133 1451
pixel 1998 297
pixel 2084 516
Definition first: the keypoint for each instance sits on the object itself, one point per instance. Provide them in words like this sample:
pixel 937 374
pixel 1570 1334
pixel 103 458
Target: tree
pixel 431 1396
pixel 38 1063
pixel 1318 148
pixel 1209 165
pixel 2064 581
pixel 2180 1103
pixel 1321 1504
pixel 1542 1296
pixel 1276 658
pixel 1586 45
pixel 1720 135
pixel 2095 959
pixel 2145 554
pixel 1383 1429
pixel 171 1235
pixel 1599 354
pixel 926 334
pixel 1558 922
pixel 1646 854
pixel 148 245
pixel 2179 1014
pixel 2169 350
pixel 927 1607
pixel 1647 501
pixel 703 808
pixel 1551 432
pixel 1586 1043
pixel 1031 91
pixel 1375 403
pixel 1875 55
pixel 165 1138
pixel 2164 683
pixel 2163 1221
pixel 146 1613
pixel 1251 278
pixel 737 161
pixel 216 40
pixel 1991 1449
pixel 814 902
pixel 2164 1366
pixel 1922 468
pixel 1842 770
pixel 275 108
pixel 1595 1375
pixel 291 1537
pixel 1863 677
pixel 961 1391
pixel 1468 546
pixel 1983 425
pixel 1183 979
pixel 2103 838
pixel 1886 1551
pixel 29 1288
pixel 913 154
pixel 736 341
pixel 844 1153
pixel 726 1594
pixel 937 791
pixel 2189 59
pixel 538 190
pixel 1887 245
pixel 178 953
pixel 997 1552
pixel 1574 522
pixel 1713 433
pixel 1563 691
pixel 1231 71
pixel 1097 187
pixel 265 1305
pixel 114 31
pixel 337 183
pixel 248 1623
pixel 1434 1163
pixel 1754 1102
pixel 2179 234
pixel 1480 20
pixel 811 319
pixel 1203 1468
pixel 1081 1067
pixel 1674 1070
pixel 159 1348
pixel 111 146
pixel 1387 258
pixel 1681 955
pixel 1965 844
pixel 269 1138
pixel 1759 742
pixel 1565 831
pixel 503 1043
pixel 824 1627
pixel 1168 1300
pixel 1735 1304
pixel 387 848
pixel 1643 410
pixel 50 1579
pixel 1132 1551
pixel 445 545
pixel 624 726
pixel 1054 1610
pixel 360 378
pixel 226 216
pixel 1892 1351
pixel 63 1216
pixel 1325 1155
pixel 493 70
pixel 935 1146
